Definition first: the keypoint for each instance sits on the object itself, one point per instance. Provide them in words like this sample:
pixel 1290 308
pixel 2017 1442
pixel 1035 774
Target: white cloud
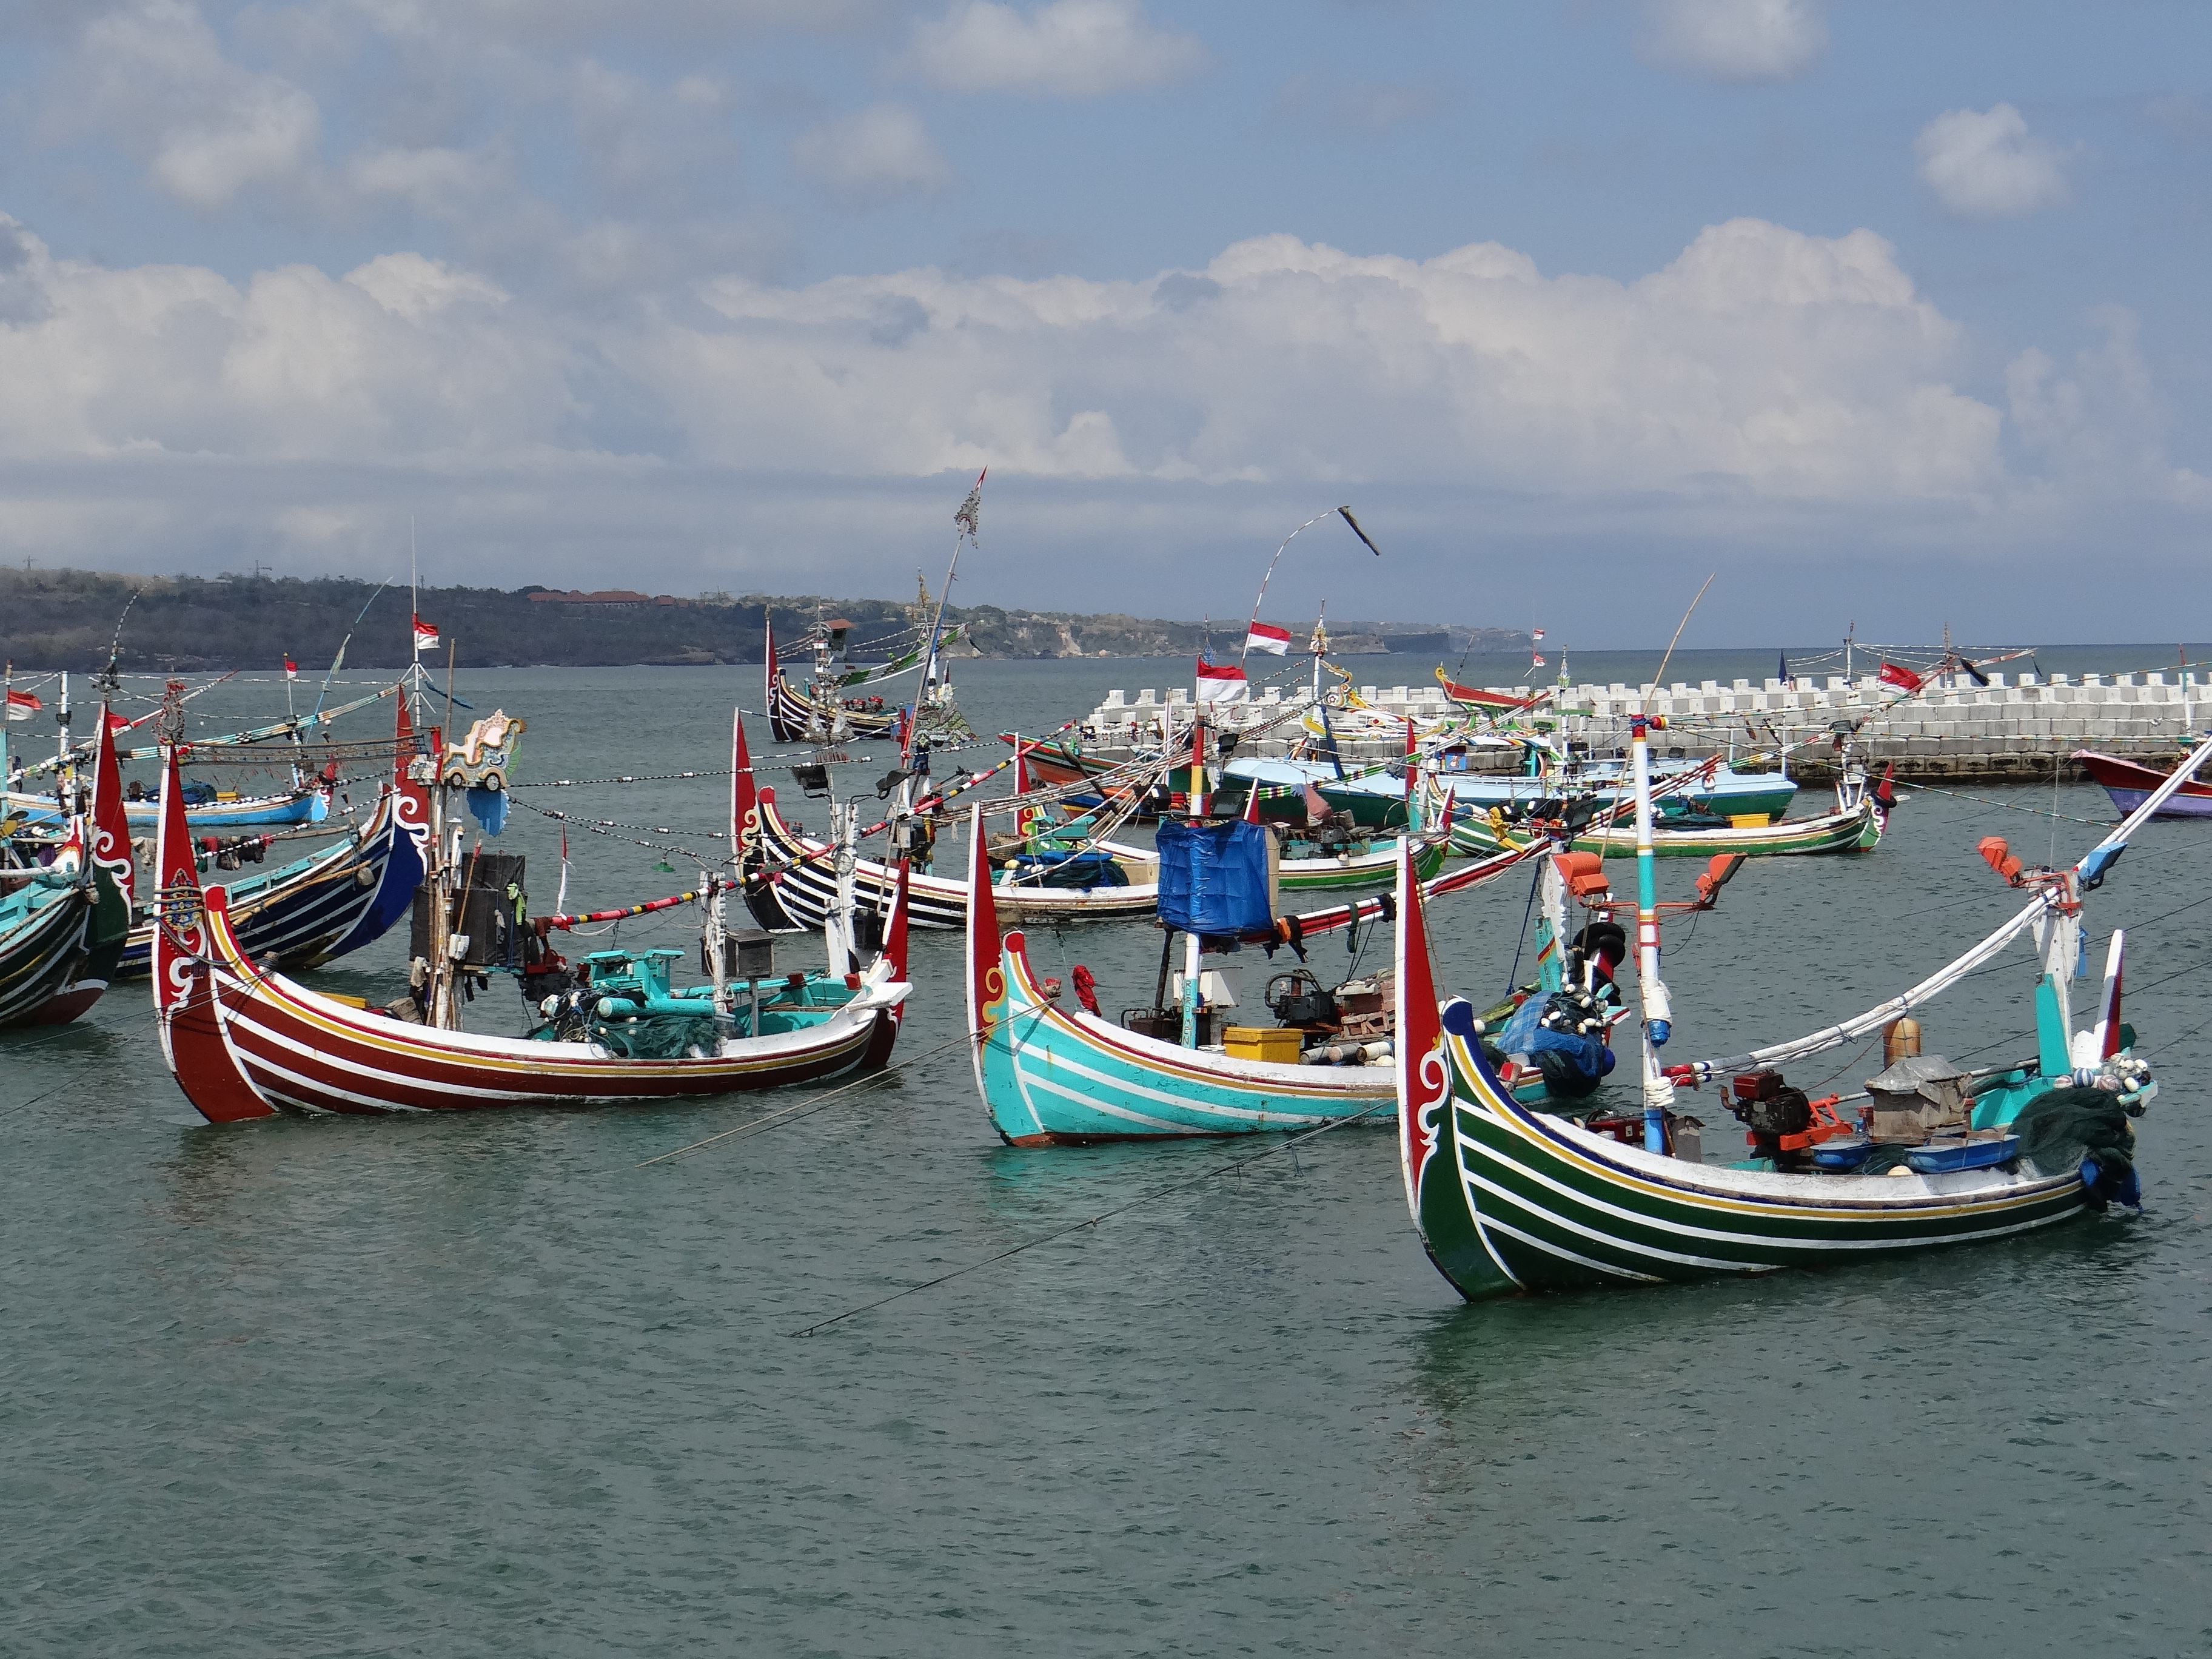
pixel 403 360
pixel 1761 385
pixel 882 151
pixel 1735 39
pixel 154 76
pixel 1761 361
pixel 1985 164
pixel 1065 49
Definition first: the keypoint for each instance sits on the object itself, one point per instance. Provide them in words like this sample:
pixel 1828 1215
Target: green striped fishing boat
pixel 1852 829
pixel 1508 1199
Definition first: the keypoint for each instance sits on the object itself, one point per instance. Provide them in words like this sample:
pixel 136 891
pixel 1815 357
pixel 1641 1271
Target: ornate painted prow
pixel 1424 1078
pixel 986 974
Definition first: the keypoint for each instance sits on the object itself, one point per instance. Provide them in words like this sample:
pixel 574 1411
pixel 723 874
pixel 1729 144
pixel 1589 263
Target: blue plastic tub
pixel 1945 1157
pixel 1842 1154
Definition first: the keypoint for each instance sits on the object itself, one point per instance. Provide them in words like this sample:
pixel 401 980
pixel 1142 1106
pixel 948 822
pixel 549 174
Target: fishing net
pixel 2077 1126
pixel 656 1036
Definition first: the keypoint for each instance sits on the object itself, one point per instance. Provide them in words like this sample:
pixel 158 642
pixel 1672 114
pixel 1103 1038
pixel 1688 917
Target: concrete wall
pixel 2016 727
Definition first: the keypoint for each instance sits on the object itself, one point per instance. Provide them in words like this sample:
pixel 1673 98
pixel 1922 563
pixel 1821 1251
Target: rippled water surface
pixel 480 1385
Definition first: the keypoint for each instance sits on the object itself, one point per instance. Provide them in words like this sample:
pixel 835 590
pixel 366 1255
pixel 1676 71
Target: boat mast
pixel 1658 1091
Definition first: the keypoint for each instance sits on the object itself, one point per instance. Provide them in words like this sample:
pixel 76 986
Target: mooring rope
pixel 1092 1221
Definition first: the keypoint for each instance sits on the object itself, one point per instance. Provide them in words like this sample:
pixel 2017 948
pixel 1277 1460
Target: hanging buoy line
pixel 1231 1167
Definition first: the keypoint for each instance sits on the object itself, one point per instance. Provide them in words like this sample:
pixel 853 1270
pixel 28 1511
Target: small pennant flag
pixel 291 668
pixel 1536 634
pixel 1782 672
pixel 1536 662
pixel 425 637
pixel 22 705
pixel 118 722
pixel 1266 636
pixel 1225 684
pixel 1897 674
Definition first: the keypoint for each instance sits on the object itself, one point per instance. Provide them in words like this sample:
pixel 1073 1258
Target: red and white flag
pixel 1226 683
pixel 1536 662
pixel 291 668
pixel 425 637
pixel 118 722
pixel 1266 636
pixel 1536 634
pixel 22 705
pixel 1896 674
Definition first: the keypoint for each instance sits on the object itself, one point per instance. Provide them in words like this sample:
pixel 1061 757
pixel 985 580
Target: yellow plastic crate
pixel 1749 820
pixel 1277 1043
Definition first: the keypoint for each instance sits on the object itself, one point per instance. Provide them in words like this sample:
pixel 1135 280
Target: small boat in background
pixel 63 926
pixel 2130 783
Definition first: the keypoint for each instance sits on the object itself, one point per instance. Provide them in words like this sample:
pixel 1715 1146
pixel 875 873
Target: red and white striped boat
pixel 245 1042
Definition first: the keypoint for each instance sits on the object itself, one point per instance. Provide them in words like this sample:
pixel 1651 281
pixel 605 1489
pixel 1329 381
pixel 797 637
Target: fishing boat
pixel 1508 1199
pixel 791 879
pixel 1856 825
pixel 332 902
pixel 206 808
pixel 2130 783
pixel 815 712
pixel 63 926
pixel 244 1041
pixel 1053 1076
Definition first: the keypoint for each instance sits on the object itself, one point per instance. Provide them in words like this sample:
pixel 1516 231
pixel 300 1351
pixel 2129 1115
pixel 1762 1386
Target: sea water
pixel 478 1384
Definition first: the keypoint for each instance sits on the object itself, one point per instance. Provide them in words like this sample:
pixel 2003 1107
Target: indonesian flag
pixel 1536 662
pixel 22 705
pixel 1226 683
pixel 1266 636
pixel 1895 674
pixel 425 637
pixel 292 669
pixel 1536 634
pixel 118 722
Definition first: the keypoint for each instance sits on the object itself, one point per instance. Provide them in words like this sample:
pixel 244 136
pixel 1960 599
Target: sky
pixel 1885 314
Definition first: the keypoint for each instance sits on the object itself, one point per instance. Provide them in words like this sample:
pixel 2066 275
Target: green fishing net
pixel 656 1036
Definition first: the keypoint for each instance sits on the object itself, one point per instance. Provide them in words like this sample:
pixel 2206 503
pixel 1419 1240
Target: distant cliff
pixel 52 619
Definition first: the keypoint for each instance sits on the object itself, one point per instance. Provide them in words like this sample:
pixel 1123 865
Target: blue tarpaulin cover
pixel 1213 878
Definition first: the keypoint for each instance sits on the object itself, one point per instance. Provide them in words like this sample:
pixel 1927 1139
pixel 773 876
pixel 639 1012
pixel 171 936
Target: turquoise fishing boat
pixel 1053 1076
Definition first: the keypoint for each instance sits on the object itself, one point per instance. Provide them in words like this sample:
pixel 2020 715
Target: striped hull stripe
pixel 38 957
pixel 1552 1207
pixel 806 892
pixel 1051 1077
pixel 275 1041
pixel 315 911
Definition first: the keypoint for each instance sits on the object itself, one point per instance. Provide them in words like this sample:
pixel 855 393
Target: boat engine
pixel 1296 999
pixel 1769 1109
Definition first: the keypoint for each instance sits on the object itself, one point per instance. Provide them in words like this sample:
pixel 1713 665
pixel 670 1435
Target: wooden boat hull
pixel 1376 867
pixel 311 807
pixel 1733 793
pixel 1507 1200
pixel 60 957
pixel 792 713
pixel 1856 830
pixel 1049 1076
pixel 791 884
pixel 2130 783
pixel 266 1043
pixel 318 908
